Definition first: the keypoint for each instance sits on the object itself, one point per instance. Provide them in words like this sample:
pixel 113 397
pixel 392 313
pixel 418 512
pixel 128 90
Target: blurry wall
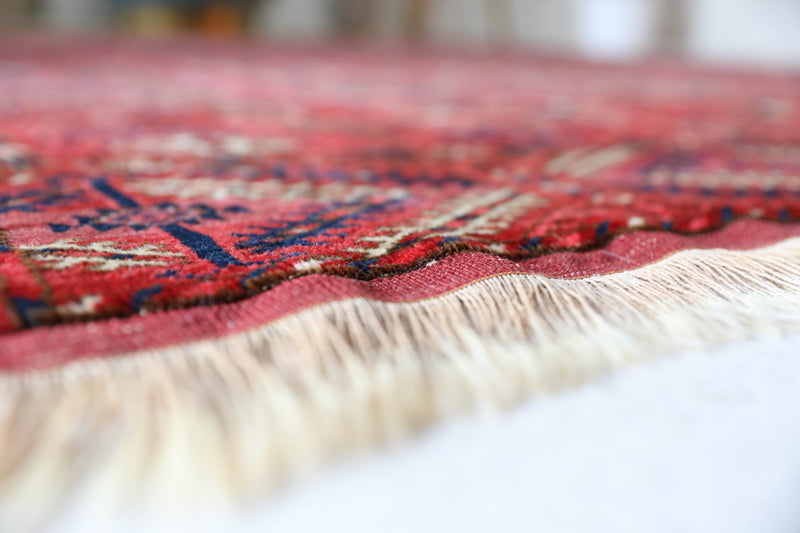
pixel 745 31
pixel 753 31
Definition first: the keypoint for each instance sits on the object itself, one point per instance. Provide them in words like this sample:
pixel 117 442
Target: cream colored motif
pixel 257 190
pixel 582 162
pixel 86 305
pixel 505 207
pixel 101 256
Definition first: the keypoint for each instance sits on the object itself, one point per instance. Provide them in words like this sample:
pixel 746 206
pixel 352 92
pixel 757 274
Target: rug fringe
pixel 234 416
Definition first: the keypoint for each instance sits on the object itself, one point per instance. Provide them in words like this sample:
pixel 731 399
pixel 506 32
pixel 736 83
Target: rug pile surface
pixel 235 261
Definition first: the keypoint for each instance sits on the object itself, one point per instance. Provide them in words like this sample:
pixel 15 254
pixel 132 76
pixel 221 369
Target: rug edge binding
pixel 233 417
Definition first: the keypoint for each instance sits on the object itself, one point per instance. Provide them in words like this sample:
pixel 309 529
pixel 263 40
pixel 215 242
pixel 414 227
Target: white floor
pixel 695 443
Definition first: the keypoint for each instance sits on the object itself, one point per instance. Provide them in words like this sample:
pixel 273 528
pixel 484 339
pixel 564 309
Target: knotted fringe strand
pixel 231 417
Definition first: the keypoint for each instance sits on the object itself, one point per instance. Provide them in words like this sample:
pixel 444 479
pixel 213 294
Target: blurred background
pixel 764 32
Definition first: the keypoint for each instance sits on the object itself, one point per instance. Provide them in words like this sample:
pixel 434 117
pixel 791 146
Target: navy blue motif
pixel 29 310
pixel 102 186
pixel 144 217
pixel 308 230
pixel 202 245
pixel 140 297
pixel 32 201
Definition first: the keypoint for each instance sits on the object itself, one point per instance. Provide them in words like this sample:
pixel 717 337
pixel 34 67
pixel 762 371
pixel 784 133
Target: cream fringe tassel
pixel 233 416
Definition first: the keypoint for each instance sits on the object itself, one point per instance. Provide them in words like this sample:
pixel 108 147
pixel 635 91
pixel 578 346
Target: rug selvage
pixel 242 413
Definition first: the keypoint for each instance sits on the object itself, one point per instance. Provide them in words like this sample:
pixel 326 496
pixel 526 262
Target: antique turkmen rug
pixel 221 265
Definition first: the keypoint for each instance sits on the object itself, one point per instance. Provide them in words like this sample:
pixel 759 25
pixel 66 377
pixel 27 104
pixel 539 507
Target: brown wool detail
pixel 238 415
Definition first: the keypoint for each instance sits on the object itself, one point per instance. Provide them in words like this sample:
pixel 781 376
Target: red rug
pixel 265 245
